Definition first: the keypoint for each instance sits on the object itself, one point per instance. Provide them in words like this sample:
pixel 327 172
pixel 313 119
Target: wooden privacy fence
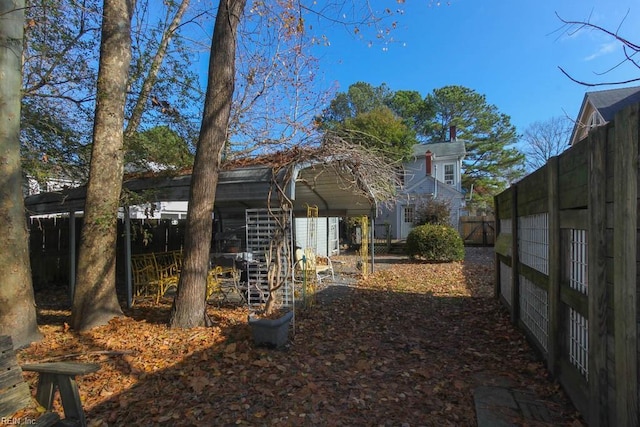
pixel 49 250
pixel 477 230
pixel 49 245
pixel 566 268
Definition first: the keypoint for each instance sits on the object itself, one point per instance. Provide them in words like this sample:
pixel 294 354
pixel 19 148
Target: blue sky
pixel 508 50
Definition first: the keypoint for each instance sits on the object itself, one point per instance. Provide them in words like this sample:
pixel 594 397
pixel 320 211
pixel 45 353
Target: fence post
pixel 515 288
pixel 387 228
pixel 127 255
pixel 496 259
pixel 596 278
pixel 625 235
pixel 553 202
pixel 72 254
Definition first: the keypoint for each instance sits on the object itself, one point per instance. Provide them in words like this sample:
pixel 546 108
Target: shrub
pixel 431 242
pixel 430 211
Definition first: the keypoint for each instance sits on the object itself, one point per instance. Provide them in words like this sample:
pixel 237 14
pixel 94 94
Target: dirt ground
pixel 405 346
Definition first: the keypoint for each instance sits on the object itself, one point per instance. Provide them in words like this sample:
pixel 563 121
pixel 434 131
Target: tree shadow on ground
pixel 406 345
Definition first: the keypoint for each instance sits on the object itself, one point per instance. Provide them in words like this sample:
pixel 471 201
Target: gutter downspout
pixel 435 182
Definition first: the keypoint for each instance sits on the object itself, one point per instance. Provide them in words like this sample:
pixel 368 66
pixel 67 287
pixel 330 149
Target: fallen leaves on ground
pixel 405 346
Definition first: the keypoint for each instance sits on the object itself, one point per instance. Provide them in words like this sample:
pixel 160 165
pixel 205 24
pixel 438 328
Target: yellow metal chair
pixel 145 278
pixel 168 272
pixel 214 278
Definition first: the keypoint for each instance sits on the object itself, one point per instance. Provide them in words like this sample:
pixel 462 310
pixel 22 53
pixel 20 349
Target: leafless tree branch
pixel 597 84
pixel 629 48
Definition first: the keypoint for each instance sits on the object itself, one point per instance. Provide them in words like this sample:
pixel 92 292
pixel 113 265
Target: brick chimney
pixel 452 133
pixel 428 161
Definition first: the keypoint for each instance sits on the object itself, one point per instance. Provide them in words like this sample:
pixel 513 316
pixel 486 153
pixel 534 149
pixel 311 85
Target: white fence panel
pixel 534 310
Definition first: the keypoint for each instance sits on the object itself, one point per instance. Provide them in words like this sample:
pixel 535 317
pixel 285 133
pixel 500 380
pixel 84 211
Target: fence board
pixel 625 176
pixel 503 204
pixel 574 218
pixel 515 288
pixel 534 189
pixel 534 276
pixel 598 300
pixel 573 181
pixel 574 299
pixel 532 193
pixel 501 242
pixel 573 158
pixel 553 204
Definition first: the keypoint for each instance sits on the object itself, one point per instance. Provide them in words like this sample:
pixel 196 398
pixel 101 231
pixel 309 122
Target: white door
pixel 406 221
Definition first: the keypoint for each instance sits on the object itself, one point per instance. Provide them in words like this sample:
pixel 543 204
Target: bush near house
pixel 430 211
pixel 439 243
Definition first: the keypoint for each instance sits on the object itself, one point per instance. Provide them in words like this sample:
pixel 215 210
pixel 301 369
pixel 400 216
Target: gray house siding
pixel 442 183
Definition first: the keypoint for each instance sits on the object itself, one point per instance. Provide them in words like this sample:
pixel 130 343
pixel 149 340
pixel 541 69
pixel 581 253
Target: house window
pixel 409 214
pixel 595 120
pixel 449 177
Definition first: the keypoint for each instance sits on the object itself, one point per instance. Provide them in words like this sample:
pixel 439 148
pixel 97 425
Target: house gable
pixel 441 161
pixel 599 108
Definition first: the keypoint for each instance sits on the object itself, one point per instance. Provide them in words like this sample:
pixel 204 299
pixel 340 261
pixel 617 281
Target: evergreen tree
pixel 160 147
pixel 360 98
pixel 410 106
pixel 491 162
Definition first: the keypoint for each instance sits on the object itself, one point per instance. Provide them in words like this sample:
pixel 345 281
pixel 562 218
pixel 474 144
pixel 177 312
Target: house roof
pixel 606 103
pixel 430 185
pixel 609 102
pixel 313 183
pixel 440 149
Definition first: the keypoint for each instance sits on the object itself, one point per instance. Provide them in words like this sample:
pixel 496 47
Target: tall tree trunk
pixel 17 304
pixel 95 301
pixel 189 308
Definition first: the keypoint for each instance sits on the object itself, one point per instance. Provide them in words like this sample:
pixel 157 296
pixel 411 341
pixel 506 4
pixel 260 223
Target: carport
pixel 333 185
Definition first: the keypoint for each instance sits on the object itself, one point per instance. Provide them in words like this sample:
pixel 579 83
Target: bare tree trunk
pixel 147 86
pixel 95 301
pixel 190 305
pixel 17 304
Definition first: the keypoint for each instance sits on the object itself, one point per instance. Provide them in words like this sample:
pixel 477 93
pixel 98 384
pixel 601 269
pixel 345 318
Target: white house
pixel 433 172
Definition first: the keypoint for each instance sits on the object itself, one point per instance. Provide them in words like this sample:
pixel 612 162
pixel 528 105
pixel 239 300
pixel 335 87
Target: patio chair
pixel 168 266
pixel 315 267
pixel 214 286
pixel 145 277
